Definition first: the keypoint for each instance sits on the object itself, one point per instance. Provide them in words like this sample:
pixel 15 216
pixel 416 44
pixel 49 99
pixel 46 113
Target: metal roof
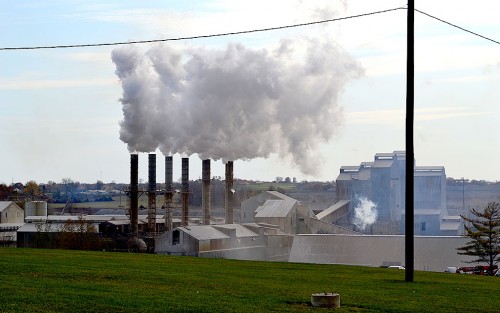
pixel 54 227
pixel 429 171
pixel 332 209
pixel 279 195
pixel 383 163
pixel 241 231
pixel 4 204
pixel 275 208
pixel 203 232
pixel 90 218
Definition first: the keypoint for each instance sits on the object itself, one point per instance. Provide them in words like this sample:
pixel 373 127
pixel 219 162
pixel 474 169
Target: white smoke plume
pixel 365 213
pixel 234 103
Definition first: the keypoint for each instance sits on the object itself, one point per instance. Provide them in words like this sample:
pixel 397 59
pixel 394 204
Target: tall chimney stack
pixel 152 193
pixel 206 191
pixel 229 192
pixel 134 193
pixel 169 192
pixel 185 191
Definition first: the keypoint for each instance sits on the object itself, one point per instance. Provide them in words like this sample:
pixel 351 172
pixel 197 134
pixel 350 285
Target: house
pixel 10 213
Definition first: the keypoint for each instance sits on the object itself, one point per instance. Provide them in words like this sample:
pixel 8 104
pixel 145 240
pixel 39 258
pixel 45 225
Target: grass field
pixel 76 281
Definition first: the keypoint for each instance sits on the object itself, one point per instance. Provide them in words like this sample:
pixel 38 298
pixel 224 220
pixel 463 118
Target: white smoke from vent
pixel 365 213
pixel 234 103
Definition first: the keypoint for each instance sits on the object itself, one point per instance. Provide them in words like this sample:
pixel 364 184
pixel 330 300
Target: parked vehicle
pixel 476 270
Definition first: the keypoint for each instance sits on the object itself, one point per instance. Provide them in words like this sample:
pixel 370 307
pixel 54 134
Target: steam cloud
pixel 365 213
pixel 234 103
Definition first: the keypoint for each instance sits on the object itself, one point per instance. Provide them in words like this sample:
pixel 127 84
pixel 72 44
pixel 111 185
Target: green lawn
pixel 75 281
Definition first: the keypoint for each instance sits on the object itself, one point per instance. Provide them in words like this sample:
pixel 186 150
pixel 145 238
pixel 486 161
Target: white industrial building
pixel 233 241
pixel 382 181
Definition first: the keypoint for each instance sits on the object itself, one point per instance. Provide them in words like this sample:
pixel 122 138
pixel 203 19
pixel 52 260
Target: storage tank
pixel 35 208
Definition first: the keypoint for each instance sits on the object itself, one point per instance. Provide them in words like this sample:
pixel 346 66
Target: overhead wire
pixel 201 36
pixel 459 27
pixel 242 32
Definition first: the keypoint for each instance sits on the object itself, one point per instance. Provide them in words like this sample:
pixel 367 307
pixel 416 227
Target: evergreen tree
pixel 484 231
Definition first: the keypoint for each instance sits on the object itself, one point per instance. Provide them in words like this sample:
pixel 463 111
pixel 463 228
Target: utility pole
pixel 410 159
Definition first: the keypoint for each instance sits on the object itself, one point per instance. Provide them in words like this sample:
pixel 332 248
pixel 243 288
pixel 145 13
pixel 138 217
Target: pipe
pixel 185 191
pixel 206 191
pixel 169 192
pixel 229 193
pixel 134 193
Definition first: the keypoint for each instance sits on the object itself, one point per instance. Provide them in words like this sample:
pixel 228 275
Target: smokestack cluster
pixel 185 191
pixel 234 103
pixel 152 193
pixel 134 193
pixel 206 191
pixel 169 192
pixel 229 194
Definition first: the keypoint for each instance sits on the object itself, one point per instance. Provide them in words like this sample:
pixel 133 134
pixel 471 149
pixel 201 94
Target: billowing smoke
pixel 365 213
pixel 234 103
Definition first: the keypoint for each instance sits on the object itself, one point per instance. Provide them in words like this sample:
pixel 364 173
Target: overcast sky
pixel 60 109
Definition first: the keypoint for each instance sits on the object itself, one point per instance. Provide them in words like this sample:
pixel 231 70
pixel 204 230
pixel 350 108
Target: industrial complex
pixel 363 225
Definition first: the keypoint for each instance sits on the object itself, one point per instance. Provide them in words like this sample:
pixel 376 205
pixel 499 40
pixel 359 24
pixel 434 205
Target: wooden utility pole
pixel 410 159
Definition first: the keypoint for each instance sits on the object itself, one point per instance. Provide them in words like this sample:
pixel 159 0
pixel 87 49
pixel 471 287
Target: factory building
pixel 232 241
pixel 382 181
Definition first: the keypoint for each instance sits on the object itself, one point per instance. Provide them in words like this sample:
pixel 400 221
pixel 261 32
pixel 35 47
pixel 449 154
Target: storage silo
pixel 35 208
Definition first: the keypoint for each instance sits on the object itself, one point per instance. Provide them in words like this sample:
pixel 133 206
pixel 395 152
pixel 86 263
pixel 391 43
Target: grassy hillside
pixel 75 281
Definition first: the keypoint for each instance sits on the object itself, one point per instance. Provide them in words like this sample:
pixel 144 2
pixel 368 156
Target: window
pixel 176 234
pixel 422 226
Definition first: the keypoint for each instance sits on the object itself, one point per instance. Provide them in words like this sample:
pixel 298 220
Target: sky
pixel 66 113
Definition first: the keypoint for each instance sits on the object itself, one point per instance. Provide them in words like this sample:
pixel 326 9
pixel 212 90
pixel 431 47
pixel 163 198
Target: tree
pixel 5 192
pixel 79 235
pixel 32 190
pixel 484 232
pixel 98 185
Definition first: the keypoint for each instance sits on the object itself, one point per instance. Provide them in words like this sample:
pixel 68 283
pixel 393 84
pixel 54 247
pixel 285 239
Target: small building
pixel 10 213
pixel 11 218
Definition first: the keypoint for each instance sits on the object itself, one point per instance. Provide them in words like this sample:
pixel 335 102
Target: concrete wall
pixel 431 253
pixel 321 227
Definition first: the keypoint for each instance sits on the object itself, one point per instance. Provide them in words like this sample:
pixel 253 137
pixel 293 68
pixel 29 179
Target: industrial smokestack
pixel 152 193
pixel 206 192
pixel 134 193
pixel 185 190
pixel 169 192
pixel 229 192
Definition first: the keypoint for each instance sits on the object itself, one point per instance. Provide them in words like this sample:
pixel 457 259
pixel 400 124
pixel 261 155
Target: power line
pixel 200 36
pixel 461 28
pixel 240 32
